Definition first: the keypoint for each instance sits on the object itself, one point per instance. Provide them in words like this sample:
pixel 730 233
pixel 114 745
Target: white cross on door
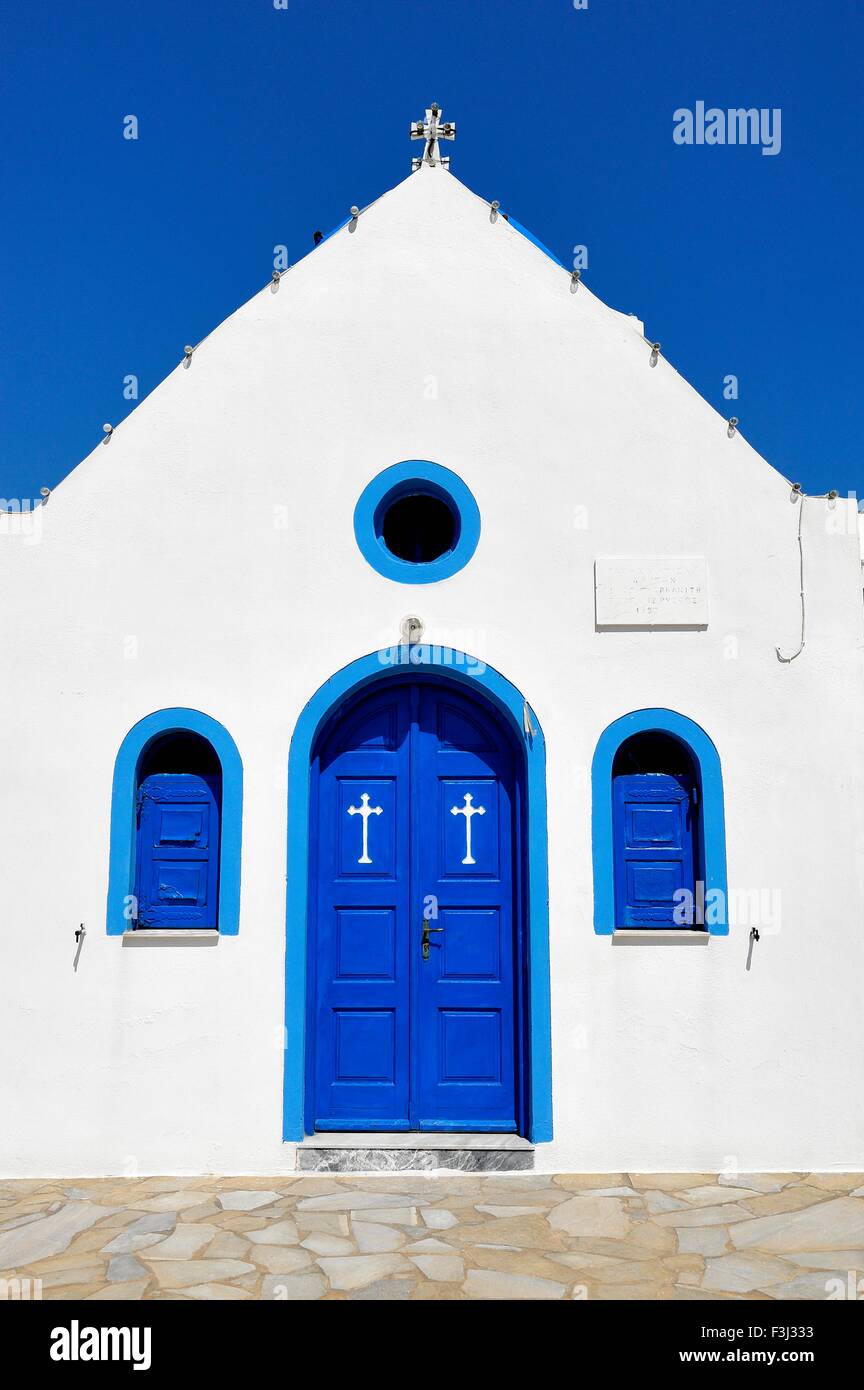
pixel 468 810
pixel 365 810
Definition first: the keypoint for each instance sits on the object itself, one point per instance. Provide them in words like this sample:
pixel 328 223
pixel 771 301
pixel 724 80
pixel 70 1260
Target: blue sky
pixel 258 125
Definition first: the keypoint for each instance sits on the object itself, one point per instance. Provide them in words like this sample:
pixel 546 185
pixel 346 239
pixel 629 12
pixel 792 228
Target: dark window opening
pixel 419 528
pixel 179 752
pixel 653 752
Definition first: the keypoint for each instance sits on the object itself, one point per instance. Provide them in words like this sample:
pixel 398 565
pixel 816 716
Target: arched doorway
pixel 415 941
pixel 493 702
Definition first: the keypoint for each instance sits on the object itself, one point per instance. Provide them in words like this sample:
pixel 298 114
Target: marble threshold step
pixel 401 1152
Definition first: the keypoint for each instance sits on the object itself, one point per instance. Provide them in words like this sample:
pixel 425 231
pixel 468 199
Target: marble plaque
pixel 657 591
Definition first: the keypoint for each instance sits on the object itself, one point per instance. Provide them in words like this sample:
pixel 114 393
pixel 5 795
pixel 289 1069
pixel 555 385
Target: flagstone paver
pixel 492 1284
pixel 444 1236
pixel 229 1245
pixel 439 1220
pixel 817 1285
pixel 280 1233
pixel 449 1268
pixel 282 1259
pixel 825 1259
pixel 386 1216
pixel 744 1273
pixel 174 1274
pixel 184 1241
pixel 592 1216
pixel 703 1240
pixel 124 1268
pixel 120 1293
pixel 354 1271
pixel 247 1201
pixel 374 1239
pixel 325 1244
pixel 838 1222
pixel 40 1239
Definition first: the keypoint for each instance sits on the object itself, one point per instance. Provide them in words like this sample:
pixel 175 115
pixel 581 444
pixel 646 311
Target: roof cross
pixel 432 130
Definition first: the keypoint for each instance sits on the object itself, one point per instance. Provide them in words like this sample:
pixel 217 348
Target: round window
pixel 418 527
pixel 417 522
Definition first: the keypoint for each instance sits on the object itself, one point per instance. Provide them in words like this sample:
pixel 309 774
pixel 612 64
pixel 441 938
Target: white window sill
pixel 169 936
pixel 659 936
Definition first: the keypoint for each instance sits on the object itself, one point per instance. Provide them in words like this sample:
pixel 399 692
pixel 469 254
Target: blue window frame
pixel 177 846
pixel 176 815
pixel 417 522
pixel 658 824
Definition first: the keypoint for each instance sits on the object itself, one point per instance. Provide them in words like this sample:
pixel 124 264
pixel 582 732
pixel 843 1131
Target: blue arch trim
pixel 712 846
pixel 121 874
pixel 483 682
pixel 397 481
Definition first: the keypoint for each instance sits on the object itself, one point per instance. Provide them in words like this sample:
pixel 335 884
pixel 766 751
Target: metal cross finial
pixel 432 130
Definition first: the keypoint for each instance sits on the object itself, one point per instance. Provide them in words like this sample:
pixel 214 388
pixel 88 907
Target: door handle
pixel 426 930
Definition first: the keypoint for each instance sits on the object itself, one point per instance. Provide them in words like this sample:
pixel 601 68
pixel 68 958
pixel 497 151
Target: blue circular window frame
pixel 401 480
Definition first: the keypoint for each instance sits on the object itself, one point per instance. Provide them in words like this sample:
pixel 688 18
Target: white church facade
pixel 448 731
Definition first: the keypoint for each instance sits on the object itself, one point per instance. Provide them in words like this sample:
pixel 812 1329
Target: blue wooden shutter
pixel 177 878
pixel 654 848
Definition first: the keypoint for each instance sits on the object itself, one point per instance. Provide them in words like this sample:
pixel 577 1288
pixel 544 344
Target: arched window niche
pixel 658 827
pixel 176 814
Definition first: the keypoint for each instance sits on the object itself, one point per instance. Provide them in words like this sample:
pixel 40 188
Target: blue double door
pixel 414 940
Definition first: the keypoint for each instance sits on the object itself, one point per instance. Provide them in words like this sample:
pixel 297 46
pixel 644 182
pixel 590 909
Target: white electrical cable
pixel 780 656
pixel 802 498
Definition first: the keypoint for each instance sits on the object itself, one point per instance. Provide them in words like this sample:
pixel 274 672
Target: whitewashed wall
pixel 170 1060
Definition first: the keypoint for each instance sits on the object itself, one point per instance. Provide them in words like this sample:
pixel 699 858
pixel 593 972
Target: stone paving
pixel 447 1236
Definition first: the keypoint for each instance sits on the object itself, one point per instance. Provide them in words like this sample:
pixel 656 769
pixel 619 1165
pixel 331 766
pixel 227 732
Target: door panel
pixel 470 943
pixel 366 943
pixel 366 826
pixel 359 893
pixel 413 812
pixel 469 839
pixel 654 847
pixel 466 1074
